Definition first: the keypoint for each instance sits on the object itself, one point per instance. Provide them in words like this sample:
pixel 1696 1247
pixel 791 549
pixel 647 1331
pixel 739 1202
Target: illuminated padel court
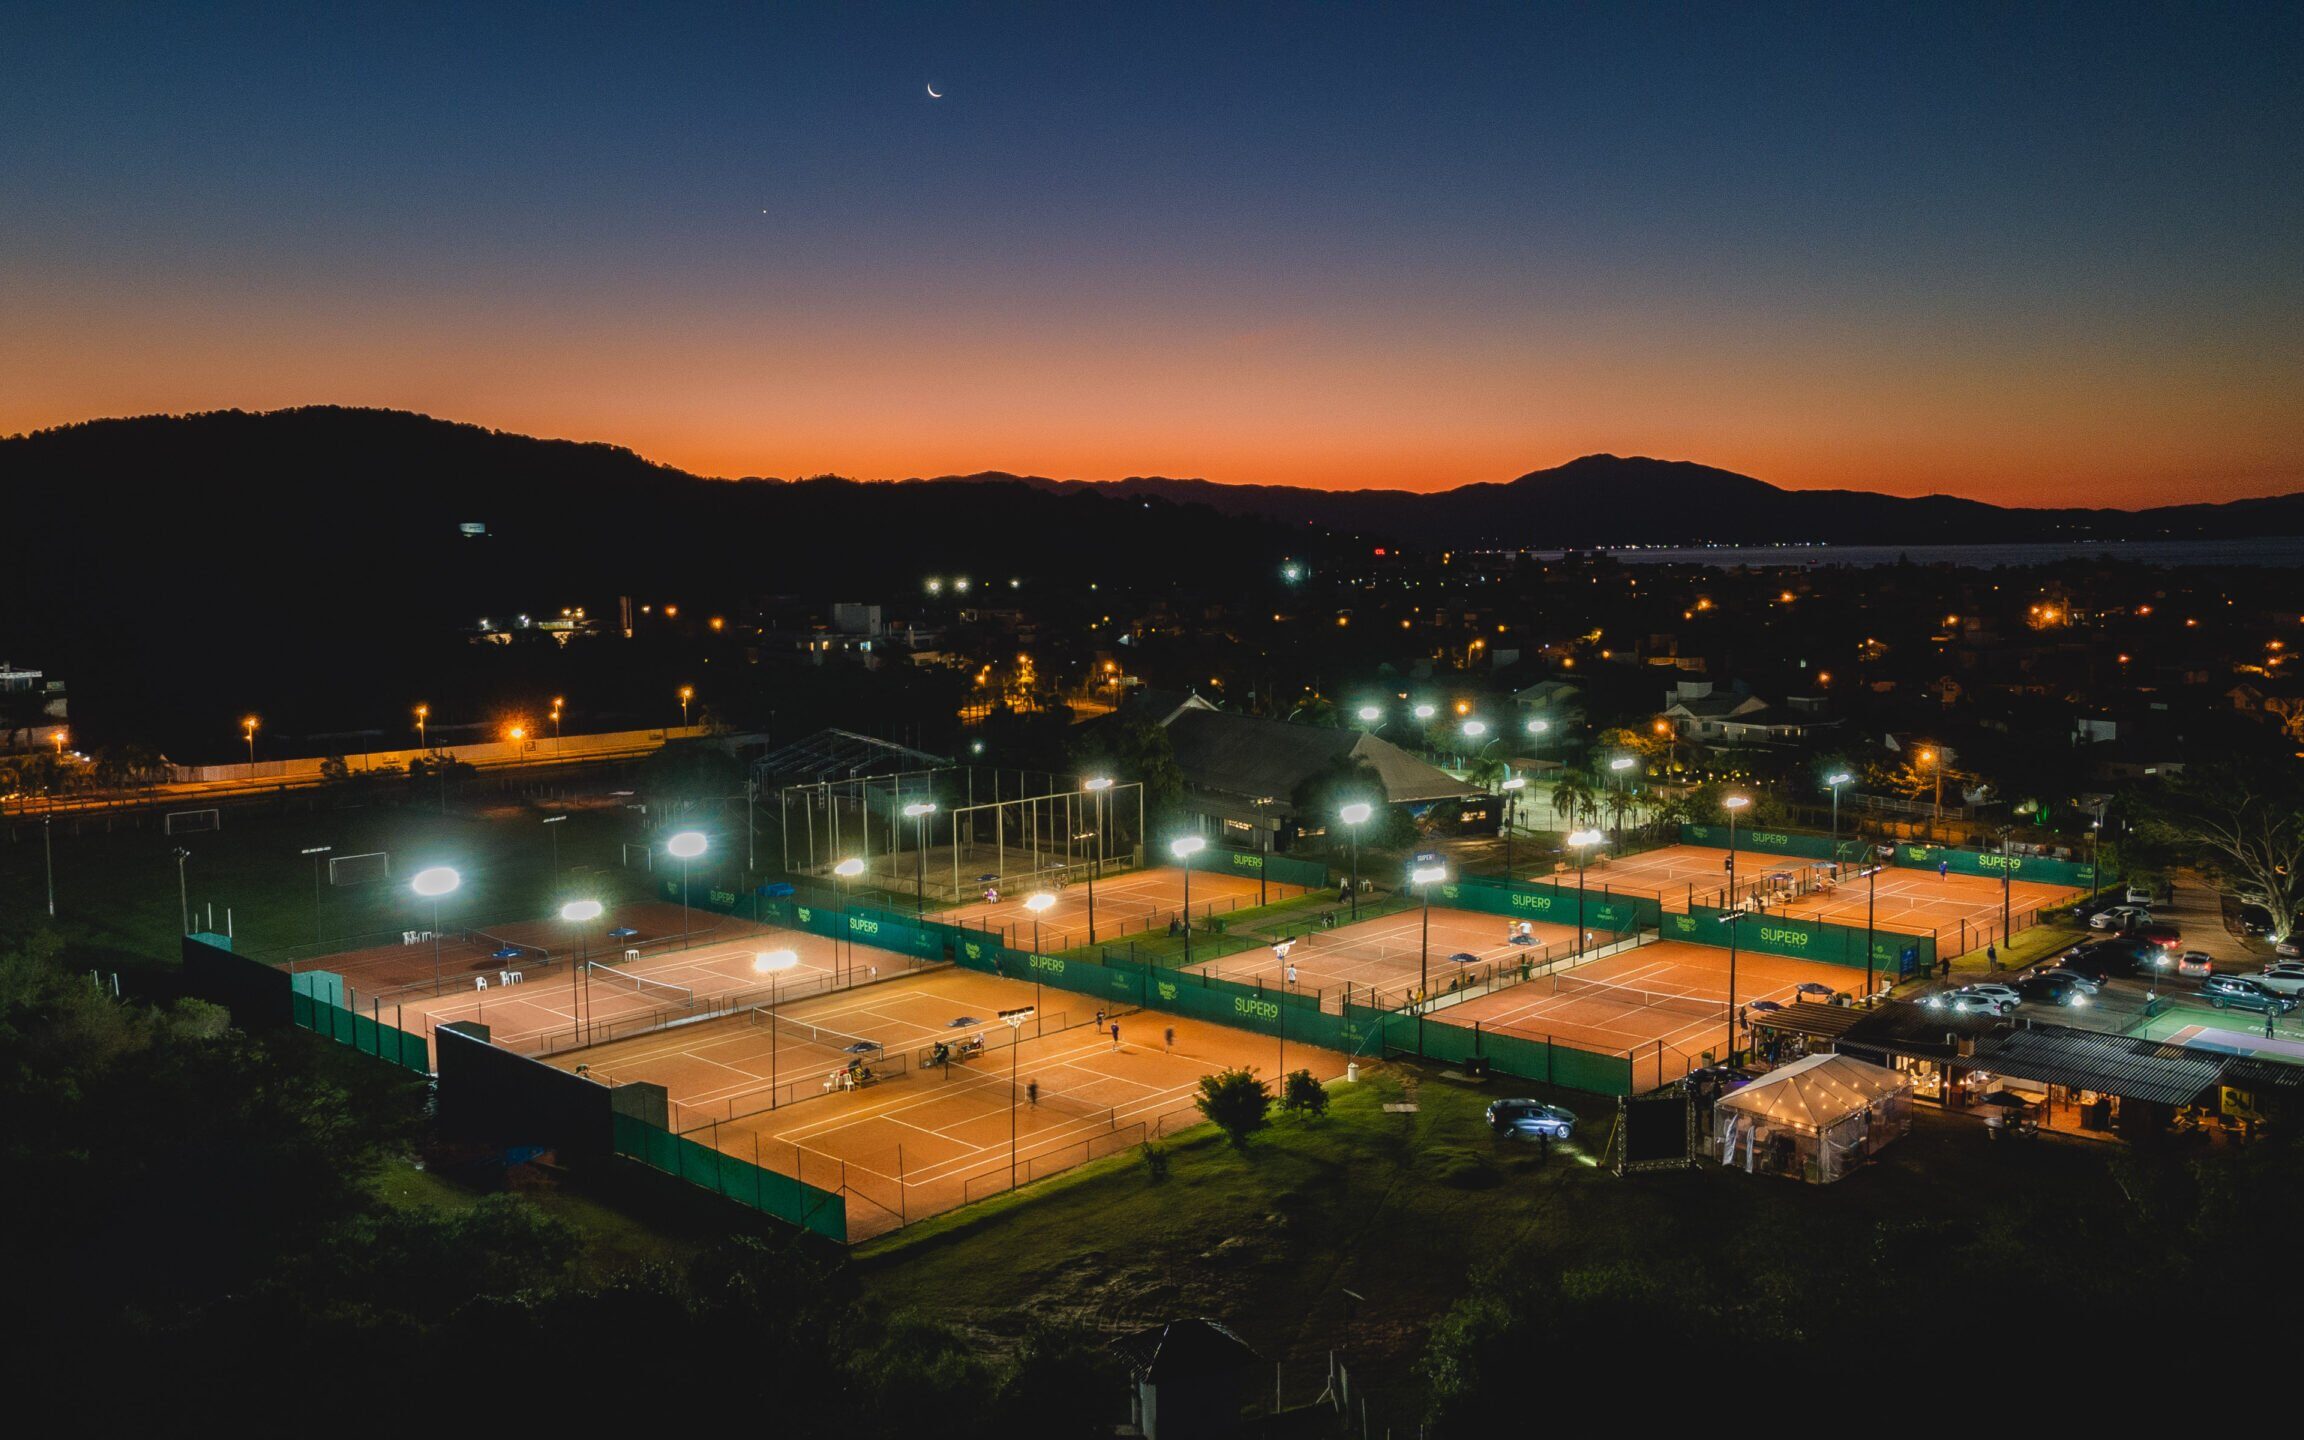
pixel 1129 903
pixel 851 1092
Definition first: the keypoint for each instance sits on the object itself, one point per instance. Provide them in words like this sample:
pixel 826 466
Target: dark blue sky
pixel 1923 247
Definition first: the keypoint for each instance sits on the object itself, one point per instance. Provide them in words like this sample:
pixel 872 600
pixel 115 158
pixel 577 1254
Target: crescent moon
pixel 932 93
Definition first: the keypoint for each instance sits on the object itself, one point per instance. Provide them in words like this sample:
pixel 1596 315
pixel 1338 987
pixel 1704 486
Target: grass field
pixel 117 891
pixel 1404 1208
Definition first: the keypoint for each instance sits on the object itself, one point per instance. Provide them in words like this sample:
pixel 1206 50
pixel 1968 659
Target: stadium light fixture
pixel 1621 762
pixel 1516 782
pixel 1474 729
pixel 767 962
pixel 1427 874
pixel 431 883
pixel 848 869
pixel 1100 782
pixel 1039 902
pixel 576 912
pixel 1355 813
pixel 1538 727
pixel 686 845
pixel 1184 847
pixel 1425 712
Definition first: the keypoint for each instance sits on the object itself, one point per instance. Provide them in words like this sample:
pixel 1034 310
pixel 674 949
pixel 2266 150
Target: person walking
pixel 2268 1014
pixel 1032 1093
pixel 1943 869
pixel 1992 956
pixel 1169 1038
pixel 1115 1034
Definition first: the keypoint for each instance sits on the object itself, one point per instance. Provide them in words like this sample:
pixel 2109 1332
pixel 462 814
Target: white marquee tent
pixel 1815 1119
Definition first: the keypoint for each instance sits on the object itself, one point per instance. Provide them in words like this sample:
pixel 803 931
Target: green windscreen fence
pixel 1527 1057
pixel 1766 842
pixel 1556 904
pixel 1818 940
pixel 316 1004
pixel 1280 869
pixel 2042 869
pixel 820 1212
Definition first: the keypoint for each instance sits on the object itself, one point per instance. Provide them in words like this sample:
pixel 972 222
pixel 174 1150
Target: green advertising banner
pixel 1800 939
pixel 1555 904
pixel 1527 1057
pixel 770 1192
pixel 1990 863
pixel 1279 869
pixel 1763 841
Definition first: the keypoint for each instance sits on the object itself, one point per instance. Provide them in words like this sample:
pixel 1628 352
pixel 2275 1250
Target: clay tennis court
pixel 1664 1003
pixel 1126 904
pixel 584 996
pixel 383 972
pixel 1383 961
pixel 925 1137
pixel 1961 911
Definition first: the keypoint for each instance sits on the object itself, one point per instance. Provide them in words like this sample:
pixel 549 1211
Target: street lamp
pixel 1934 758
pixel 687 693
pixel 1512 786
pixel 1730 914
pixel 576 912
pixel 433 883
pixel 1424 877
pixel 1355 815
pixel 1834 781
pixel 1184 848
pixel 549 822
pixel 183 895
pixel 920 810
pixel 423 713
pixel 1096 786
pixel 1582 841
pixel 248 733
pixel 848 870
pixel 772 963
pixel 1015 1021
pixel 1037 903
pixel 1370 714
pixel 684 847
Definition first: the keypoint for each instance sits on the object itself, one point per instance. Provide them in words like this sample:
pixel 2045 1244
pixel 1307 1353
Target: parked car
pixel 2138 894
pixel 2045 988
pixel 2160 932
pixel 1531 1118
pixel 2005 994
pixel 2198 964
pixel 2106 962
pixel 2254 920
pixel 2057 975
pixel 2227 991
pixel 2282 977
pixel 2119 917
pixel 2291 948
pixel 1962 1002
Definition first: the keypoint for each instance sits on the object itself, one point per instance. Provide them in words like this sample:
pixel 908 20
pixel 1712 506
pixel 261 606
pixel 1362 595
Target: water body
pixel 2275 550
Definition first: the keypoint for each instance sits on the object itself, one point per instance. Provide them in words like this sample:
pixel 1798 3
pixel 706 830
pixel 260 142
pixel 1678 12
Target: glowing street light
pixel 1730 914
pixel 1096 785
pixel 248 732
pixel 1425 712
pixel 1184 847
pixel 687 693
pixel 432 883
pixel 1833 782
pixel 1355 815
pixel 423 713
pixel 576 913
pixel 684 847
pixel 1038 904
pixel 847 870
pixel 1424 877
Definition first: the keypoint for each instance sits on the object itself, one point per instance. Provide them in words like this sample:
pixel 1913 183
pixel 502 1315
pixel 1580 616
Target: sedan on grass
pixel 1530 1119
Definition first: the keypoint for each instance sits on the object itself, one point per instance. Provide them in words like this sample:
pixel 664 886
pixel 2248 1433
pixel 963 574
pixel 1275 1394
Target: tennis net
pixel 661 992
pixel 800 1034
pixel 1065 1105
pixel 1692 1005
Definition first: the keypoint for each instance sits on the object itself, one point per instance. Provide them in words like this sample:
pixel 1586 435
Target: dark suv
pixel 2227 991
pixel 1531 1118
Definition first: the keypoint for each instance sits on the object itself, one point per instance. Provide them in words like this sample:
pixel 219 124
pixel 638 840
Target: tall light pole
pixel 1618 766
pixel 576 912
pixel 1512 785
pixel 1424 877
pixel 1372 717
pixel 1731 914
pixel 1184 848
pixel 549 822
pixel 433 883
pixel 183 895
pixel 1473 730
pixel 920 810
pixel 423 713
pixel 1582 841
pixel 1037 903
pixel 315 851
pixel 1354 815
pixel 1015 1019
pixel 48 857
pixel 684 847
pixel 1096 786
pixel 1835 780
pixel 248 725
pixel 1871 896
pixel 772 963
pixel 848 870
pixel 687 693
pixel 1934 757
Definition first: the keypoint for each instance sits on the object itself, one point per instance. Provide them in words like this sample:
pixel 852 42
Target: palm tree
pixel 1571 796
pixel 1488 773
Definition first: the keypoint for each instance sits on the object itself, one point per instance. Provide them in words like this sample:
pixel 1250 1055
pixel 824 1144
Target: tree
pixel 1235 1102
pixel 2245 820
pixel 1303 1095
pixel 1140 752
pixel 1572 796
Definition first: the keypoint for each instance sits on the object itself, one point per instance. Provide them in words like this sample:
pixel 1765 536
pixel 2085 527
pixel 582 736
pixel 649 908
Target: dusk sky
pixel 2030 253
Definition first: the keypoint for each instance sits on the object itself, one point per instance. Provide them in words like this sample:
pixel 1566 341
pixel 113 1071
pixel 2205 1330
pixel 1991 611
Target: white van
pixel 2138 894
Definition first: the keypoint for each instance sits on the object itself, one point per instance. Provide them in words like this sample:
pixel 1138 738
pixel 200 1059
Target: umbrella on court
pixel 1813 987
pixel 624 933
pixel 962 1022
pixel 509 952
pixel 1465 957
pixel 862 1047
pixel 1764 1005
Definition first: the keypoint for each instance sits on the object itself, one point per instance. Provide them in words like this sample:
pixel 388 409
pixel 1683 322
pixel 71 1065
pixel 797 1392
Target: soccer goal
pixel 360 869
pixel 185 822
